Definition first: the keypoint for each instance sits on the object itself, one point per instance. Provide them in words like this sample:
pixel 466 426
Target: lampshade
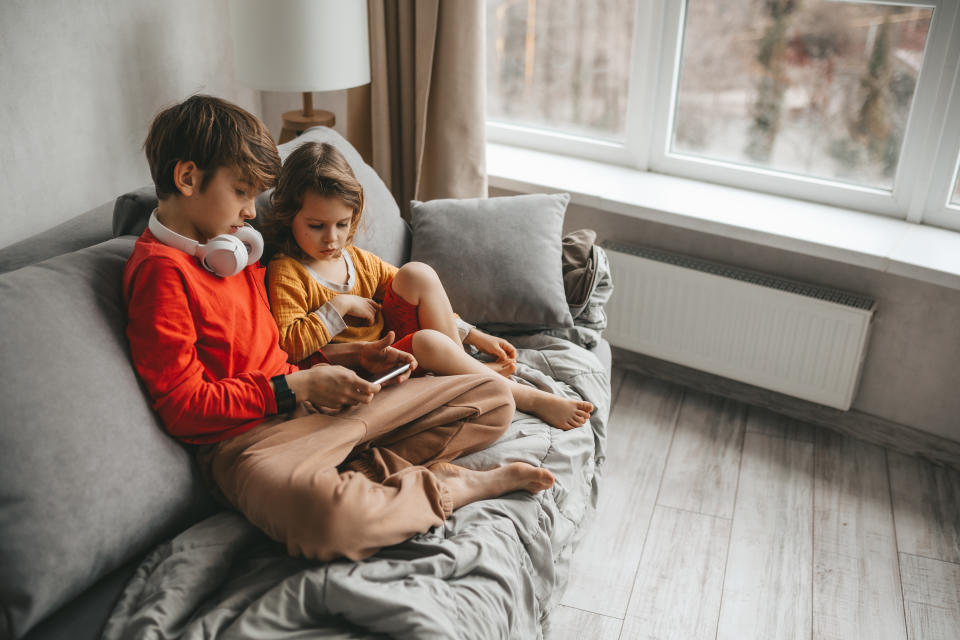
pixel 300 45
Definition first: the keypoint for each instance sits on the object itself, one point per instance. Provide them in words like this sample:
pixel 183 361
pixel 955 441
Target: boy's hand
pixel 331 388
pixel 364 309
pixel 380 357
pixel 499 348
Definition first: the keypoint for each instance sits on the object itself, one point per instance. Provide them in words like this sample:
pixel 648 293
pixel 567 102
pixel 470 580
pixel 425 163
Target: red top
pixel 206 347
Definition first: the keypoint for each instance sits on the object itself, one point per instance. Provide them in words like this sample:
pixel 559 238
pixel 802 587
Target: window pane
pixel 560 64
pixel 816 87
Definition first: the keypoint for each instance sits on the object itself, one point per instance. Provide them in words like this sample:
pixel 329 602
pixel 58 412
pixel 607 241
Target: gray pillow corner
pixel 131 211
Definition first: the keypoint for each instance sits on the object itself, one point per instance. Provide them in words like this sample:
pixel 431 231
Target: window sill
pixel 921 252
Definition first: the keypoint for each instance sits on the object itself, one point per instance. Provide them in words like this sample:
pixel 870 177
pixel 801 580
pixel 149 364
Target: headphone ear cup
pixel 253 242
pixel 224 255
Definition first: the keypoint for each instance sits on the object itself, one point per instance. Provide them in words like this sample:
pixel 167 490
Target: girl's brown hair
pixel 321 168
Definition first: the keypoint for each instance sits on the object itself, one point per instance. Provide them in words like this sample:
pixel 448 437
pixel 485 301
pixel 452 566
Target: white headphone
pixel 225 255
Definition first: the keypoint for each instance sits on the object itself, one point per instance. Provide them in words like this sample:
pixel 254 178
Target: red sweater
pixel 206 347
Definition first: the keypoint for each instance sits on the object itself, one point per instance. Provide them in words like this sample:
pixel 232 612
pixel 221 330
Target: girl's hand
pixel 364 309
pixel 380 357
pixel 499 348
pixel 331 388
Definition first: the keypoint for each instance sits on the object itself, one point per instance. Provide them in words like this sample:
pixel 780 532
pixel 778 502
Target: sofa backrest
pixel 88 477
pixel 84 230
pixel 383 231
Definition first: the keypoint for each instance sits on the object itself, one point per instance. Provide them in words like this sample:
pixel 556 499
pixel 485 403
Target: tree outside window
pixel 834 101
pixel 813 87
pixel 560 64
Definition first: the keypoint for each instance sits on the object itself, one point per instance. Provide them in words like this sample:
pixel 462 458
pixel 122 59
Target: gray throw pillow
pixel 88 477
pixel 498 258
pixel 132 210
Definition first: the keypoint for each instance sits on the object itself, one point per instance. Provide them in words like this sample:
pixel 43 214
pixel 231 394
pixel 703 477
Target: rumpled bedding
pixel 495 569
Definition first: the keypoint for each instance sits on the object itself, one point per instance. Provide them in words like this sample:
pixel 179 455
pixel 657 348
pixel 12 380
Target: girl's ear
pixel 186 177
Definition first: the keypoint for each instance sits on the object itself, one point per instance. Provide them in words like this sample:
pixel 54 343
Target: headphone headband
pixel 170 237
pixel 225 255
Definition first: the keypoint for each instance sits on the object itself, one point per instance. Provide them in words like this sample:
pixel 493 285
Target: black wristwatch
pixel 286 398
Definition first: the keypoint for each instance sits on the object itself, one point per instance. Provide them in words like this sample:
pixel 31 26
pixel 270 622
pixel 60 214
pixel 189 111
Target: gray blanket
pixel 495 569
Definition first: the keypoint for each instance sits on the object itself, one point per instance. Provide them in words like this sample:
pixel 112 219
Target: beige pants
pixel 350 484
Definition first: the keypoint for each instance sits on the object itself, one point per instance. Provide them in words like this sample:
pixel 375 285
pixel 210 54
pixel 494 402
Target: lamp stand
pixel 296 122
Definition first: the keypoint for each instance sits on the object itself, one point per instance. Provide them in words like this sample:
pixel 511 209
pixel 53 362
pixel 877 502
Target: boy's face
pixel 322 226
pixel 223 207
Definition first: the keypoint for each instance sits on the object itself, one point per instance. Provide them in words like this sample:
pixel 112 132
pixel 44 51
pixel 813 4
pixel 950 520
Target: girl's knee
pixel 432 340
pixel 416 274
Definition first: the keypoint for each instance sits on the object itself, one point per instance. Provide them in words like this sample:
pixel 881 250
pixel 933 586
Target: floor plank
pixel 854 423
pixel 926 503
pixel 680 578
pixel 616 381
pixel 704 463
pixel 567 623
pixel 927 622
pixel 640 429
pixel 773 424
pixel 856 575
pixel 815 549
pixel 767 586
pixel 931 590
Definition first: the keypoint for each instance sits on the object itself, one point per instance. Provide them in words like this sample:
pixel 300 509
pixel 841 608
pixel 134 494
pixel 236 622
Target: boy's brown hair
pixel 321 168
pixel 212 133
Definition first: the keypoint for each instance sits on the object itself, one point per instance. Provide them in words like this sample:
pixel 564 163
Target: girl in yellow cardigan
pixel 325 290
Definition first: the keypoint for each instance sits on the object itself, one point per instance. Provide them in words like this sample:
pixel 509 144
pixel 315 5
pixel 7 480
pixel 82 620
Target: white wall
pixel 80 82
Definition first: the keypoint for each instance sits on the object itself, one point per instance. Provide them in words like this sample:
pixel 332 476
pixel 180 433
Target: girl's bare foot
pixel 466 485
pixel 557 411
pixel 506 368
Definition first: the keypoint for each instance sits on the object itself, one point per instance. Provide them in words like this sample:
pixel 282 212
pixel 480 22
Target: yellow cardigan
pixel 295 295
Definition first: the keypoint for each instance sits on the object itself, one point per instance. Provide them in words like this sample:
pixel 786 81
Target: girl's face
pixel 322 226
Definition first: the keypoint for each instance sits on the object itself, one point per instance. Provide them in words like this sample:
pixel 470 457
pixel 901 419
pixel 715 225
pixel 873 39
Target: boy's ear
pixel 187 177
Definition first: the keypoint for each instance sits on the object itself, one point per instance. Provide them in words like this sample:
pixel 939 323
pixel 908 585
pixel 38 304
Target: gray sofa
pixel 89 481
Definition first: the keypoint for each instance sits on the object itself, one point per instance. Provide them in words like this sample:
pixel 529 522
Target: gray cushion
pixel 88 478
pixel 383 231
pixel 498 258
pixel 132 210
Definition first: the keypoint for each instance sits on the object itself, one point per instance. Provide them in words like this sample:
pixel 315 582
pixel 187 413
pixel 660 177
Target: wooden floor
pixel 720 520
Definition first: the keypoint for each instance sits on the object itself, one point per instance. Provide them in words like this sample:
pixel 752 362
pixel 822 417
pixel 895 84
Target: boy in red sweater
pixel 320 459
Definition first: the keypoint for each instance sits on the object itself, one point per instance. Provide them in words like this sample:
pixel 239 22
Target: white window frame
pixel 945 143
pixel 928 160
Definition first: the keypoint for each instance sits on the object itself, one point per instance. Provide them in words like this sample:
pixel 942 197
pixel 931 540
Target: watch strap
pixel 286 398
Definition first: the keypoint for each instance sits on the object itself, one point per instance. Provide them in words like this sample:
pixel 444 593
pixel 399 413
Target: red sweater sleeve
pixel 162 331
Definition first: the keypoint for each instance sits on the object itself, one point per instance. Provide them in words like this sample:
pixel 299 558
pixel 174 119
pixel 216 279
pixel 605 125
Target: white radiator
pixel 798 339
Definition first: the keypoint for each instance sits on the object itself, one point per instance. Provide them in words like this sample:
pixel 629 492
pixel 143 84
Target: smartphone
pixel 389 375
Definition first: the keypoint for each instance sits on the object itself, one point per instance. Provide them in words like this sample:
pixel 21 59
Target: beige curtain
pixel 420 123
